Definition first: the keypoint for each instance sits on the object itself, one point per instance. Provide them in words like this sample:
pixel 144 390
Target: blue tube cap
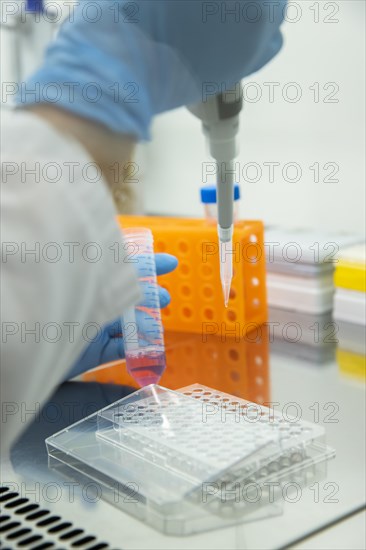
pixel 208 194
pixel 35 6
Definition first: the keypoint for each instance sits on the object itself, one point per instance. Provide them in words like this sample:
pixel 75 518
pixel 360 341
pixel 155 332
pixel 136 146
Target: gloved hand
pixel 108 345
pixel 120 63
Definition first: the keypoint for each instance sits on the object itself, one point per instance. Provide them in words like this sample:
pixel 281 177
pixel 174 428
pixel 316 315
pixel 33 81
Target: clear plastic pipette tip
pixel 226 268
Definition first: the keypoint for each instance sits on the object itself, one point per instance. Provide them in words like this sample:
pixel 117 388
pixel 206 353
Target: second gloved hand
pixel 108 344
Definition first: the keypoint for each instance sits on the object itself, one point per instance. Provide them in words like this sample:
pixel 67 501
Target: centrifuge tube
pixel 142 329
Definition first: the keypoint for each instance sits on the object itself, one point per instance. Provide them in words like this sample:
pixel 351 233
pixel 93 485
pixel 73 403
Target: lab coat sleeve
pixel 64 272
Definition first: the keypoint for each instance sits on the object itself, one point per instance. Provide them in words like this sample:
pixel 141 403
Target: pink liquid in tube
pixel 146 368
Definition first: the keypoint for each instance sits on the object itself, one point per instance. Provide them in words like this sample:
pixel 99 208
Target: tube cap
pixel 208 194
pixel 35 6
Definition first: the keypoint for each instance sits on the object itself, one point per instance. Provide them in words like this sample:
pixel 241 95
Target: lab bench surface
pixel 317 393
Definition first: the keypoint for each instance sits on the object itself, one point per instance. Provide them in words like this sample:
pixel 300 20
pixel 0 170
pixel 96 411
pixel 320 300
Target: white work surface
pixel 292 381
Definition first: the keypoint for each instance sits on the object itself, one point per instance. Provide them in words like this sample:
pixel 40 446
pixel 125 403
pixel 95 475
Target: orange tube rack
pixel 197 303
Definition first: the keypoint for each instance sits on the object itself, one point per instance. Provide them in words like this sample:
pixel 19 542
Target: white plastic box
pixel 350 306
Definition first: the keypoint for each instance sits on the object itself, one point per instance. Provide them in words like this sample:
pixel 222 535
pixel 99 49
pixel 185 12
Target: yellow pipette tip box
pixel 351 269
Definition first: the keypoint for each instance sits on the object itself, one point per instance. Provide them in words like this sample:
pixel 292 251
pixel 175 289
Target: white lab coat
pixel 53 300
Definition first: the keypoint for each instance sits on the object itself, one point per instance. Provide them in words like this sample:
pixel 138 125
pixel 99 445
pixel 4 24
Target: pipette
pixel 220 122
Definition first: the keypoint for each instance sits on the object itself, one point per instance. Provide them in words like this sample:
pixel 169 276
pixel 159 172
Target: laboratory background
pixel 247 428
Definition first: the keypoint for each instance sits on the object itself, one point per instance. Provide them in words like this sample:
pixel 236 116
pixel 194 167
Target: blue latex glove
pixel 108 345
pixel 120 62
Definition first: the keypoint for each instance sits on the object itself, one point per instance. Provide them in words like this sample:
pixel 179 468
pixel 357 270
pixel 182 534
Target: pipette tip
pixel 226 272
pixel 226 290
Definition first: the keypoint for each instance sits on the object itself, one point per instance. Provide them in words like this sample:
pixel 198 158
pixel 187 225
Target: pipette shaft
pixel 225 212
